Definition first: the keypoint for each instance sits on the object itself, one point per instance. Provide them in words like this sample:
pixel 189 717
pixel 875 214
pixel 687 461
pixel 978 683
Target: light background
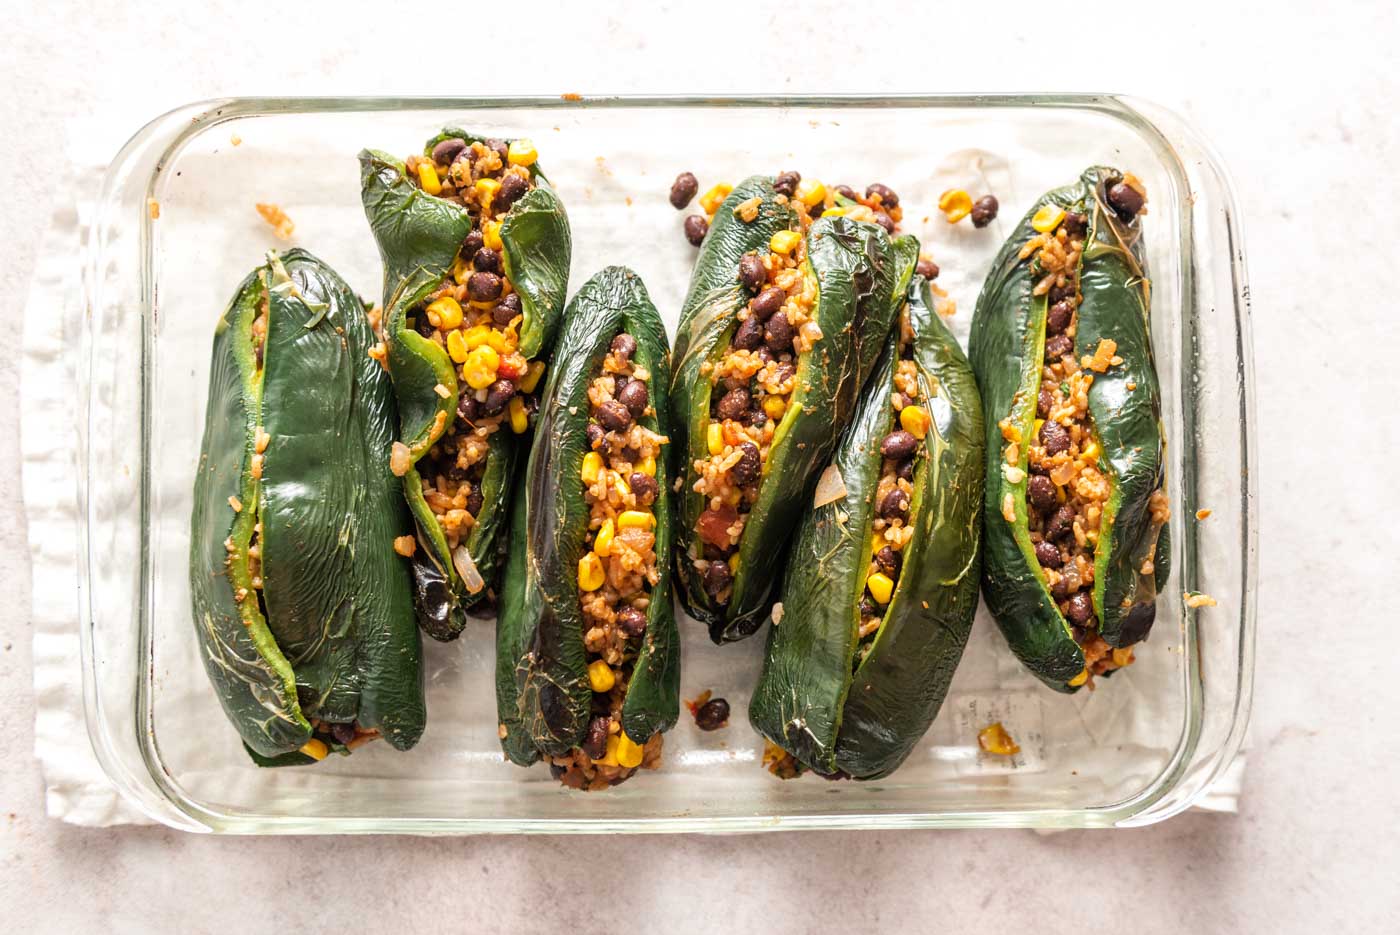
pixel 1299 103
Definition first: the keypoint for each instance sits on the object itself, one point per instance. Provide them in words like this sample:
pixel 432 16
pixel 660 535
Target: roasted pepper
pixel 881 583
pixel 587 652
pixel 303 610
pixel 476 251
pixel 779 329
pixel 1076 502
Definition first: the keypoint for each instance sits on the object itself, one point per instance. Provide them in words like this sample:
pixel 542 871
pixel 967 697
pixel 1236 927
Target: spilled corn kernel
pixel 955 204
pixel 995 740
pixel 712 199
pixel 600 676
pixel 315 749
pixel 1079 679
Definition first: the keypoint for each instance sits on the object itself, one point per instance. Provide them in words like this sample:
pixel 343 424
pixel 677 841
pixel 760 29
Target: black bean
pixel 1055 438
pixel 512 302
pixel 623 346
pixel 846 191
pixel 751 272
pixel 467 407
pixel 888 560
pixel 1058 346
pixel 717 578
pixel 696 227
pixel 904 470
pixel 475 501
pixel 497 395
pixel 472 243
pixel 927 269
pixel 1057 316
pixel 888 199
pixel 765 355
pixel 1059 590
pixel 734 404
pixel 447 151
pixel 712 553
pixel 767 302
pixel 1075 225
pixel 1061 292
pixel 484 287
pixel 512 188
pixel 614 416
pixel 777 335
pixel 683 189
pixel 420 324
pixel 749 335
pixel 898 445
pixel 634 397
pixel 895 505
pixel 632 621
pixel 1041 492
pixel 1044 402
pixel 1126 200
pixel 747 468
pixel 597 437
pixel 595 743
pixel 556 771
pixel 786 183
pixel 1047 555
pixel 487 261
pixel 503 315
pixel 885 221
pixel 644 487
pixel 1081 608
pixel 984 211
pixel 784 371
pixel 712 715
pixel 501 149
pixel 868 607
pixel 1060 524
pixel 1037 468
pixel 344 733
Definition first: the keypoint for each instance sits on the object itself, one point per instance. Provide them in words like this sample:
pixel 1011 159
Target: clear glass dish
pixel 1137 750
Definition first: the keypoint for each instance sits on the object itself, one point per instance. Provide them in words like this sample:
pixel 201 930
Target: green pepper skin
pixel 852 263
pixel 864 723
pixel 335 626
pixel 1006 349
pixel 542 689
pixel 418 237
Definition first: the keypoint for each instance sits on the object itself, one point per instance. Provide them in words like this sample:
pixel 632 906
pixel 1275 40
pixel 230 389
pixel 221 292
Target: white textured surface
pixel 1300 106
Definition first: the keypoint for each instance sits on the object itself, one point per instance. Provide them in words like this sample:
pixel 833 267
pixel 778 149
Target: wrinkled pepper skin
pixel 852 264
pixel 861 719
pixel 542 689
pixel 1006 348
pixel 418 237
pixel 334 636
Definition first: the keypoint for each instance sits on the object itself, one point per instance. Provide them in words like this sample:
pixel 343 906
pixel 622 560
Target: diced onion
pixel 462 561
pixel 831 486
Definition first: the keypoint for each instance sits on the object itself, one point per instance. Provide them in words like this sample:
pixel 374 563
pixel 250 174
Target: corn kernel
pixel 955 204
pixel 519 418
pixel 600 677
pixel 1047 218
pixel 448 311
pixel 602 543
pixel 461 269
pixel 428 178
pixel 592 464
pixel 610 757
pixel 834 213
pixel 995 739
pixel 647 466
pixel 733 564
pixel 1090 452
pixel 1123 656
pixel 810 192
pixel 635 519
pixel 1079 679
pixel 784 242
pixel 714 438
pixel 491 235
pixel 774 407
pixel 315 749
pixel 620 486
pixel 485 192
pixel 479 369
pixel 629 754
pixel 713 198
pixel 532 376
pixel 457 347
pixel 521 153
pixel 590 572
pixel 881 587
pixel 914 420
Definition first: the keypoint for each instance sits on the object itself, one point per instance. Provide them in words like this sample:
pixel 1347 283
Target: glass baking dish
pixel 1137 750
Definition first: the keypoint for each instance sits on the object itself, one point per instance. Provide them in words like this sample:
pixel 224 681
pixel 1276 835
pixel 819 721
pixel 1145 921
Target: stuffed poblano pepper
pixel 303 610
pixel 881 583
pixel 587 653
pixel 1076 503
pixel 786 312
pixel 476 252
